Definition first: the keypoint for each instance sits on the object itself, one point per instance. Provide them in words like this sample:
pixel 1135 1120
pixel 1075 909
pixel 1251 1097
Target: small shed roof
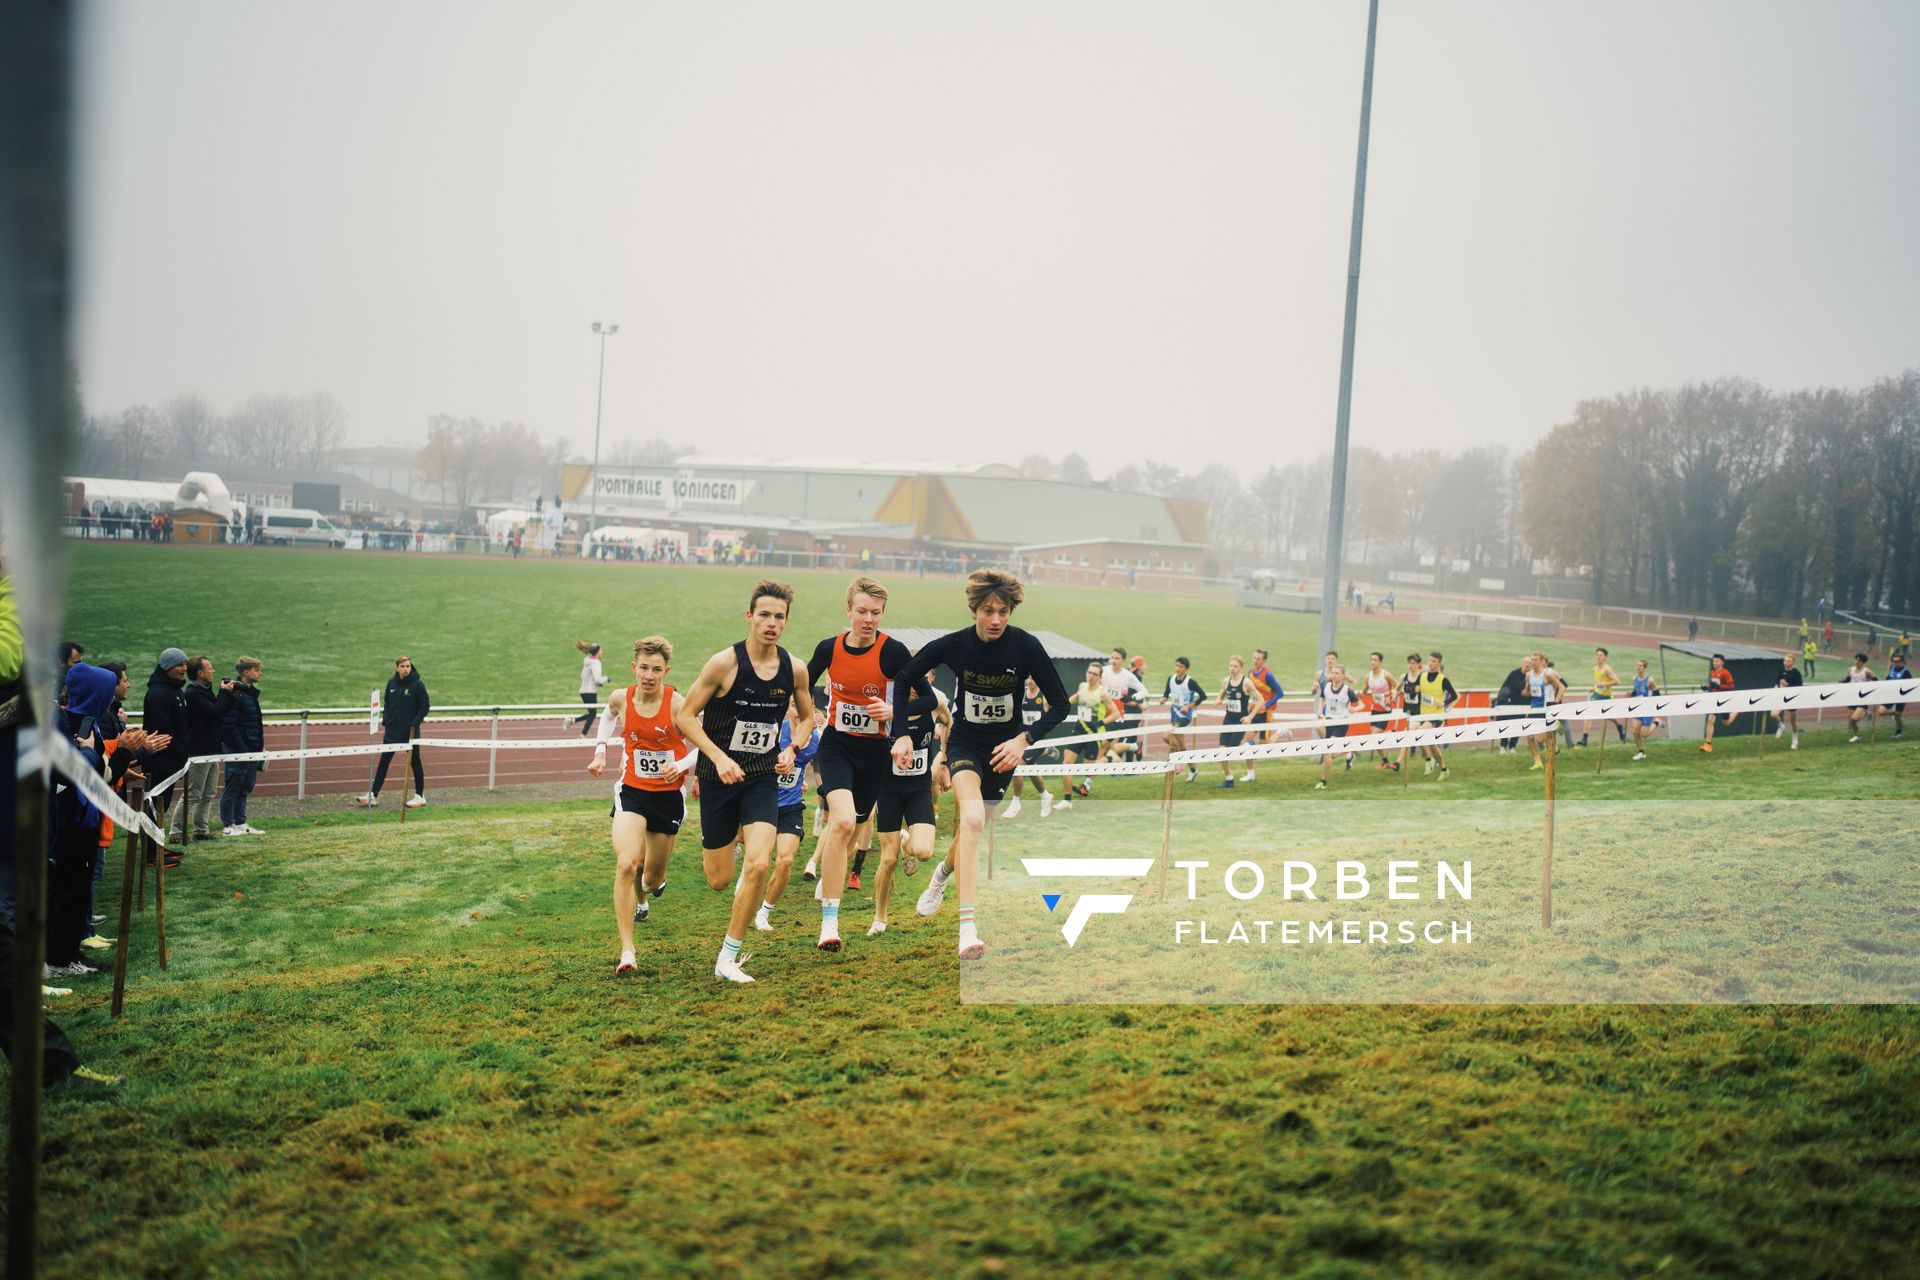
pixel 1727 649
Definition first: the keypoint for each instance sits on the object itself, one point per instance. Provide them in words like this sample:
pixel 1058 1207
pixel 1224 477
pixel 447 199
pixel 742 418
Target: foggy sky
pixel 1113 227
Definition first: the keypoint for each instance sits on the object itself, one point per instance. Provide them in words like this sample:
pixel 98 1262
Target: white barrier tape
pixel 1808 697
pixel 1124 768
pixel 1435 736
pixel 66 761
pixel 1537 720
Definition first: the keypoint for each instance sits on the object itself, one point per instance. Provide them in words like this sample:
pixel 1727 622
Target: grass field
pixel 328 624
pixel 401 1050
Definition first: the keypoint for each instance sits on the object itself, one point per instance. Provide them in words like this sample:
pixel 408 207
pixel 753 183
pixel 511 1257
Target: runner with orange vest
pixel 857 668
pixel 648 805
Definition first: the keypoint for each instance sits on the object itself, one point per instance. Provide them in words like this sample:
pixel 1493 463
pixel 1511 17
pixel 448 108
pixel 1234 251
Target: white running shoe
pixel 877 928
pixel 1193 774
pixel 762 921
pixel 936 890
pixel 415 800
pixel 1782 729
pixel 829 936
pixel 1065 803
pixel 1013 808
pixel 812 871
pixel 1795 744
pixel 370 798
pixel 247 828
pixel 730 969
pixel 232 831
pixel 1247 776
pixel 1046 803
pixel 909 862
pixel 56 991
pixel 1854 738
pixel 1639 755
pixel 971 948
pixel 641 910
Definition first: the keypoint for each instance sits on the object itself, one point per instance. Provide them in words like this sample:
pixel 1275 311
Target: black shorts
pixel 858 765
pixel 968 754
pixel 1231 737
pixel 903 803
pixel 725 808
pixel 663 810
pixel 792 820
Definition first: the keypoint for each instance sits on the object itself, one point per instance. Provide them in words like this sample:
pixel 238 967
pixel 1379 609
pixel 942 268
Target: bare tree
pixel 322 426
pixel 646 453
pixel 192 430
pixel 265 431
pixel 135 435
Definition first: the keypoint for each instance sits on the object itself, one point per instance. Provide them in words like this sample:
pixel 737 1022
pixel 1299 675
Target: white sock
pixel 829 917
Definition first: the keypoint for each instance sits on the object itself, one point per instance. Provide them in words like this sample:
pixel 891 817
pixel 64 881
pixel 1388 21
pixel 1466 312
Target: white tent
pixel 126 497
pixel 502 525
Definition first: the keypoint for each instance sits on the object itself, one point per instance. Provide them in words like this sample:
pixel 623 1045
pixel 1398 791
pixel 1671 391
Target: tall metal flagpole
pixel 1337 500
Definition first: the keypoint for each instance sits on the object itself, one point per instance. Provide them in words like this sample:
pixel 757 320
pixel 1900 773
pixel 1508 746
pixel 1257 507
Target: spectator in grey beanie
pixel 163 710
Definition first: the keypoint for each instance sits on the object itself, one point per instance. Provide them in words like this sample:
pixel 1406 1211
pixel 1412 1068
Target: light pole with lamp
pixel 599 397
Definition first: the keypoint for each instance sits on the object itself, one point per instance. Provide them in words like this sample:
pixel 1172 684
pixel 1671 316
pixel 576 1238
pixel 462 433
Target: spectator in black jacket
pixel 204 710
pixel 241 732
pixel 1513 693
pixel 163 710
pixel 402 711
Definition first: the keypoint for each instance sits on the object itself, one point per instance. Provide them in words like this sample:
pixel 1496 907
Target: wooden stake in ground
pixel 1601 763
pixel 135 796
pixel 1166 832
pixel 146 852
pixel 990 825
pixel 1546 862
pixel 160 903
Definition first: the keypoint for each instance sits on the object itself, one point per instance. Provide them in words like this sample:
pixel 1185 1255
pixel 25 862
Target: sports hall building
pixel 985 513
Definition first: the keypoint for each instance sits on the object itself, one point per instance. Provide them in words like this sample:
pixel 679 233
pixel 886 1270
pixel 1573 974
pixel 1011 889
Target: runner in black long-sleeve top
pixel 991 661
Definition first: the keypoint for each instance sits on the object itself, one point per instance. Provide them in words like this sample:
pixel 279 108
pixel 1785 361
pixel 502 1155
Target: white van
pixel 295 527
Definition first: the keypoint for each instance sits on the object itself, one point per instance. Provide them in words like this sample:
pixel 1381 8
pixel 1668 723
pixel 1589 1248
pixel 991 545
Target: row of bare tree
pixel 1717 495
pixel 188 434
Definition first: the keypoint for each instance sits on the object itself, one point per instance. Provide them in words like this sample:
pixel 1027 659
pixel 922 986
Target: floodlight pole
pixel 1337 499
pixel 599 398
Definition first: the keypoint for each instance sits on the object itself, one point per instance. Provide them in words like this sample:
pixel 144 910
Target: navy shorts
pixel 725 808
pixel 663 810
pixel 968 754
pixel 903 803
pixel 858 765
pixel 792 820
